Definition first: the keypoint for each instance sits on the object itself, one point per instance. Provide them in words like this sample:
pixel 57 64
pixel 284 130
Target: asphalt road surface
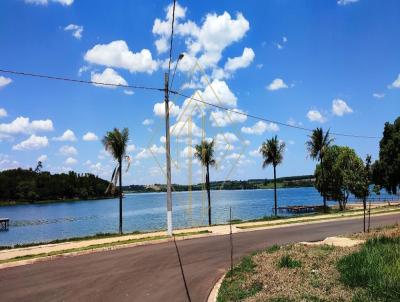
pixel 152 273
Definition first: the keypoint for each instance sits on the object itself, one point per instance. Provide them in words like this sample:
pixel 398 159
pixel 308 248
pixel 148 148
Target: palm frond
pixel 204 152
pixel 272 151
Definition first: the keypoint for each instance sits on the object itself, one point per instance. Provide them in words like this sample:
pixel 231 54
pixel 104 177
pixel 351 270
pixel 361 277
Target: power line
pixel 35 75
pixel 176 93
pixel 267 120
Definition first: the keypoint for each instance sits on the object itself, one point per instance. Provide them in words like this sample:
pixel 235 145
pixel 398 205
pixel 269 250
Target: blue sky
pixel 331 64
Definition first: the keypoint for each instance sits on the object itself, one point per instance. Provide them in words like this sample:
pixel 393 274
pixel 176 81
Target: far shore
pixel 24 202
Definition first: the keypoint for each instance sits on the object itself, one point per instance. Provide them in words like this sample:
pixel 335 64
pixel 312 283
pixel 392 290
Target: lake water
pixel 142 212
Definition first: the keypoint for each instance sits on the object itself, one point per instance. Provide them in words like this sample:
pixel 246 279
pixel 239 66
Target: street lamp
pixel 176 66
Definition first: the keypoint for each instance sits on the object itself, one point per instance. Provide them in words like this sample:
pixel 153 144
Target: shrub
pixel 288 262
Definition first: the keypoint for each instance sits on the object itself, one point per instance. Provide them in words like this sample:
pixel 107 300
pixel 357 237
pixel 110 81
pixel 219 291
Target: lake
pixel 142 212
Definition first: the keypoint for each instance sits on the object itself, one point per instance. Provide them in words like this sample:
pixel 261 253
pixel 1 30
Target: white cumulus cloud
pixel 147 122
pixel 90 136
pixel 4 81
pixel 316 116
pixel 378 95
pixel 108 76
pixel 154 150
pixel 207 41
pixel 130 148
pixel 42 158
pixel 182 128
pixel 32 143
pixel 71 161
pixel 68 150
pixel 260 127
pixel 68 135
pixel 346 2
pixel 219 93
pixel 45 2
pixel 24 125
pixel 221 118
pixel 277 84
pixel 117 54
pixel 340 107
pixel 159 109
pixel 396 83
pixel 240 62
pixel 75 29
pixel 3 112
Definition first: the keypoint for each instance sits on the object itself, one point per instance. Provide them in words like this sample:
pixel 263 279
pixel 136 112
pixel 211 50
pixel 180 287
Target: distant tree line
pixel 28 185
pixel 251 184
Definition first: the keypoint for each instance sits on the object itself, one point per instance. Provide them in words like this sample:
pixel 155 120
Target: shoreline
pixel 354 210
pixel 28 255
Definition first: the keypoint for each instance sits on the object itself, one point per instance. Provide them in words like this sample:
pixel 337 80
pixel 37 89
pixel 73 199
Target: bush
pixel 376 268
pixel 288 262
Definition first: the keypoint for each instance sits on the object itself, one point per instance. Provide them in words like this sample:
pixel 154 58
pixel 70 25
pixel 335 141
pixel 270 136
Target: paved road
pixel 152 273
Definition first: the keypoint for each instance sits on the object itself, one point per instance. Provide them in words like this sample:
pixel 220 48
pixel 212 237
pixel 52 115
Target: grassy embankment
pixel 368 272
pixel 302 218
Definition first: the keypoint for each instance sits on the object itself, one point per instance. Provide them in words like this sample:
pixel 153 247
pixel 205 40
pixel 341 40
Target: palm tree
pixel 204 152
pixel 272 152
pixel 317 146
pixel 116 142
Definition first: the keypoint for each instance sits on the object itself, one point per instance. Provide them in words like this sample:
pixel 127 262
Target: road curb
pixel 212 297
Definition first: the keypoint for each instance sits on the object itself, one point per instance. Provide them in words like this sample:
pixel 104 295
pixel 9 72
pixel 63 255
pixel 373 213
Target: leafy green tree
pixel 30 186
pixel 386 170
pixel 116 142
pixel 317 146
pixel 272 152
pixel 204 152
pixel 344 174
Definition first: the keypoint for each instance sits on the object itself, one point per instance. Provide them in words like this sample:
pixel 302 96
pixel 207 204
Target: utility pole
pixel 168 155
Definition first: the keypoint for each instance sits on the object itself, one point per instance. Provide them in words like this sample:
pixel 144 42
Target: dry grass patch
pixel 391 231
pixel 300 273
pixel 320 272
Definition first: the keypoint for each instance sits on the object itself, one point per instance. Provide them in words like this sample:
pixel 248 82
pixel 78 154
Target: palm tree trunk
pixel 120 195
pixel 275 199
pixel 208 194
pixel 323 185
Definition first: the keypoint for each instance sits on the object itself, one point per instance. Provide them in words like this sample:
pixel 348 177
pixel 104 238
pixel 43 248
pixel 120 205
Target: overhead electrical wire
pixel 35 75
pixel 29 74
pixel 265 119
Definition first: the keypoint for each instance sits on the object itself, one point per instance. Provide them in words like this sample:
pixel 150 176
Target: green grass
pixel 288 262
pixel 338 215
pixel 272 249
pixel 375 268
pixel 233 287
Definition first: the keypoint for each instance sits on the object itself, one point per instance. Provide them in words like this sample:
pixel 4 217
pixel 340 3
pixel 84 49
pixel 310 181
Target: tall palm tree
pixel 317 146
pixel 272 152
pixel 204 152
pixel 116 142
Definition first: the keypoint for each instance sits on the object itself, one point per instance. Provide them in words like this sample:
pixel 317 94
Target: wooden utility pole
pixel 168 155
